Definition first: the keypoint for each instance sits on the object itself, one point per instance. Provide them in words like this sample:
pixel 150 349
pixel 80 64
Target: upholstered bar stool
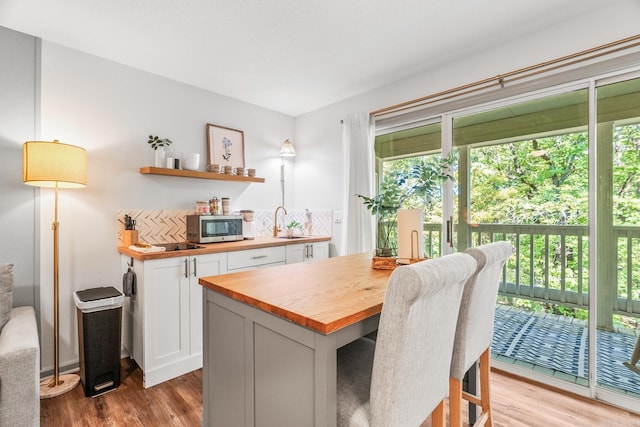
pixel 475 330
pixel 403 376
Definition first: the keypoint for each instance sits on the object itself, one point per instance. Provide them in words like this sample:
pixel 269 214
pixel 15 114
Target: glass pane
pixel 410 178
pixel 527 167
pixel 618 145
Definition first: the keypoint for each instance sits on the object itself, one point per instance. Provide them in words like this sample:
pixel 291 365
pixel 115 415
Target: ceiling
pixel 291 56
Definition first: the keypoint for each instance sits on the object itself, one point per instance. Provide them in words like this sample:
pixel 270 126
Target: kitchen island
pixel 270 339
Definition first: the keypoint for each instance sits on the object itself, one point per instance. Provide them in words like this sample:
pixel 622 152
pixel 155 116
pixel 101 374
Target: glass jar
pixel 214 206
pixel 202 207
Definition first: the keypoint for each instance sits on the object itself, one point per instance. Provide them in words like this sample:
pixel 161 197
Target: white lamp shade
pixel 47 164
pixel 287 149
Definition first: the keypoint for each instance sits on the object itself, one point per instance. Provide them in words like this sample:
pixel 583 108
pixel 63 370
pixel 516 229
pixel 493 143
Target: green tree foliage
pixel 409 183
pixel 539 181
pixel 626 175
pixel 542 181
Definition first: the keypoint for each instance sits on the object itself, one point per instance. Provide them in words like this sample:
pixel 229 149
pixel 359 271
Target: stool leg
pixel 485 396
pixel 455 402
pixel 437 416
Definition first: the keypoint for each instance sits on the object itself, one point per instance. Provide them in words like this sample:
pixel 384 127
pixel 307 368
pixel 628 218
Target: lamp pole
pixel 55 165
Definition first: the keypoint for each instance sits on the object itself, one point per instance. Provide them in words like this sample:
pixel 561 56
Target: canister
pixel 202 207
pixel 214 206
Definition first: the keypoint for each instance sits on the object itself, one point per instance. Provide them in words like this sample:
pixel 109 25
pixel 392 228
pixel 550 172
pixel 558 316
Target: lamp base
pixel 66 383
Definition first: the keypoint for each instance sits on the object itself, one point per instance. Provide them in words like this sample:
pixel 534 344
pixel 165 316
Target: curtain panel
pixel 358 136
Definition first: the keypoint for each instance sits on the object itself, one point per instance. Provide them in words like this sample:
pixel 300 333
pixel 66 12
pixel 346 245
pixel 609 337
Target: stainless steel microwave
pixel 214 228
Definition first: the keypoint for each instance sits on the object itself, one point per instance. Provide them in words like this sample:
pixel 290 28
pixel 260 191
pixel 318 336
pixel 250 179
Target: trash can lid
pixel 98 293
pixel 96 299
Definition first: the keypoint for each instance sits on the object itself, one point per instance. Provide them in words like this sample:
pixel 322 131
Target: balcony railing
pixel 551 263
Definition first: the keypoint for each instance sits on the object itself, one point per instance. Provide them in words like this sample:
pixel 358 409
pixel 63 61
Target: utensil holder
pixel 129 237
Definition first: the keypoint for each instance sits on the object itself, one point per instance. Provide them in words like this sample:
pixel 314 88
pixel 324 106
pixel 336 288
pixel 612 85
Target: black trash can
pixel 99 313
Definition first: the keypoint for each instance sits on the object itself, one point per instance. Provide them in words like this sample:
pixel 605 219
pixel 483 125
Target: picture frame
pixel 225 146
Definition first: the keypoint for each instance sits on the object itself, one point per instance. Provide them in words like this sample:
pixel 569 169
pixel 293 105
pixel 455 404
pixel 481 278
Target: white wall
pixel 319 180
pixel 110 110
pixel 18 202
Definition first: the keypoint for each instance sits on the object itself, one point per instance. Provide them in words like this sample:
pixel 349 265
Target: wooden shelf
pixel 150 170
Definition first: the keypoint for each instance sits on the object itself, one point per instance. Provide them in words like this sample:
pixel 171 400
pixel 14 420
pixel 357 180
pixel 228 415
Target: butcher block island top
pixel 324 295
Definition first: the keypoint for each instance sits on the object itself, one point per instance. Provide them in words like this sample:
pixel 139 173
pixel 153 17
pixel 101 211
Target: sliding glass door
pixel 527 183
pixel 618 236
pixel 557 174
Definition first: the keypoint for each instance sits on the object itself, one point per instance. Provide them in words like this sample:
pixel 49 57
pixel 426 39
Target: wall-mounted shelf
pixel 150 170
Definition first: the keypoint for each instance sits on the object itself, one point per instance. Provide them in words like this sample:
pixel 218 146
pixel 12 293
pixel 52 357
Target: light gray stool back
pixel 474 332
pixel 410 373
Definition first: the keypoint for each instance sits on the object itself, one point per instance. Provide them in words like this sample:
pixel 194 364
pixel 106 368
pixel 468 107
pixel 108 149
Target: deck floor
pixel 559 347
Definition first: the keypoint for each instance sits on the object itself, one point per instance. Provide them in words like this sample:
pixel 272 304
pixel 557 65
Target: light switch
pixel 337 217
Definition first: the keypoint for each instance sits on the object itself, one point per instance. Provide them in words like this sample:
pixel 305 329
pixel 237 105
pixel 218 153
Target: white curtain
pixel 359 225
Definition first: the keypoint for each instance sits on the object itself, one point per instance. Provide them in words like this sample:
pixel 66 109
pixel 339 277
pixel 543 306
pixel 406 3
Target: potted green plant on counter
pixel 385 206
pixel 414 185
pixel 291 227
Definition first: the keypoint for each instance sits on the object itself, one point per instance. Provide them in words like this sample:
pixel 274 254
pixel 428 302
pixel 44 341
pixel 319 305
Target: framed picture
pixel 225 146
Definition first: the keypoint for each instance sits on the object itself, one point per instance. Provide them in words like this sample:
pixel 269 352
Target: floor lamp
pixel 286 150
pixel 55 165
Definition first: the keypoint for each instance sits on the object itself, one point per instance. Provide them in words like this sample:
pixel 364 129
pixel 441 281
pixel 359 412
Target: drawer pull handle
pixel 259 256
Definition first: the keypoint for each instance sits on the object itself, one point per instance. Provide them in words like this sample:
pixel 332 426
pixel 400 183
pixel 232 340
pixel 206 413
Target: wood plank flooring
pixel 516 403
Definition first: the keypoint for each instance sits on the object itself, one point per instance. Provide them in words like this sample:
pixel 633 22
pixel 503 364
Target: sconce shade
pixel 45 164
pixel 287 149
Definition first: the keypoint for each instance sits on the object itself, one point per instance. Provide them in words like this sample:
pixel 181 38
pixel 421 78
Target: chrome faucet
pixel 276 229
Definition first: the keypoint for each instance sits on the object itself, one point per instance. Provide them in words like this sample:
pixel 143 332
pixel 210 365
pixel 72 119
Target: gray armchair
pixel 19 363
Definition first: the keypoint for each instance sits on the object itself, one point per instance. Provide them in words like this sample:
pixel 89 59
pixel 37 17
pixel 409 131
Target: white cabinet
pixel 256 258
pixel 166 314
pixel 306 252
pixel 163 321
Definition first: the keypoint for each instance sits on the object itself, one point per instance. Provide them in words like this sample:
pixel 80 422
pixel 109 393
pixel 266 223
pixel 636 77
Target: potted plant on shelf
pixel 158 146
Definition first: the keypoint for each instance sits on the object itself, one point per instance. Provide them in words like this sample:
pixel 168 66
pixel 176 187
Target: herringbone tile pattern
pixel 156 225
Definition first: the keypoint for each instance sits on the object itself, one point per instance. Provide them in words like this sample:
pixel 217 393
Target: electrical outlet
pixel 337 217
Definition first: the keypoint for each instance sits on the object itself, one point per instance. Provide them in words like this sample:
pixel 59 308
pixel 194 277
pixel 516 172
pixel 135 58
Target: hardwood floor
pixel 174 403
pixel 516 403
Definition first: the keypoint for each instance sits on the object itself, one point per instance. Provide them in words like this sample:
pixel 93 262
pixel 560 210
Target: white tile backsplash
pixel 168 225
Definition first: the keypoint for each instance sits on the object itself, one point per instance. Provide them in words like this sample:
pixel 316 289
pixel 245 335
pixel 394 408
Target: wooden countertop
pixel 324 295
pixel 212 248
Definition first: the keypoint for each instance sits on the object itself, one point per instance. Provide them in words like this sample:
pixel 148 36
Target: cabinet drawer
pixel 255 257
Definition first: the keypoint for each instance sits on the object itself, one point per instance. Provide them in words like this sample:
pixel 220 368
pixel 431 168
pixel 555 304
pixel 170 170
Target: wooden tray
pixel 390 263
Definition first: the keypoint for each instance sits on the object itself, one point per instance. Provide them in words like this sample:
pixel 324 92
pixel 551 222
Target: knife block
pixel 129 237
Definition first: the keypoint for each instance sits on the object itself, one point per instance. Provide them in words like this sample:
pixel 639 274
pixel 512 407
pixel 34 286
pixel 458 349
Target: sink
pixel 291 237
pixel 179 246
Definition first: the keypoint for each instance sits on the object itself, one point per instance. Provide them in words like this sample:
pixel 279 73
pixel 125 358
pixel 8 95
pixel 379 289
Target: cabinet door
pixel 201 266
pixel 318 251
pixel 296 253
pixel 166 306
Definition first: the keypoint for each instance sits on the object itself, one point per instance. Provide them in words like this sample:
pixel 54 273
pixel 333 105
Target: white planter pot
pixel 159 161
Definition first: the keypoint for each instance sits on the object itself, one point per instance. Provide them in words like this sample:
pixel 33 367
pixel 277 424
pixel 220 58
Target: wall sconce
pixel 287 150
